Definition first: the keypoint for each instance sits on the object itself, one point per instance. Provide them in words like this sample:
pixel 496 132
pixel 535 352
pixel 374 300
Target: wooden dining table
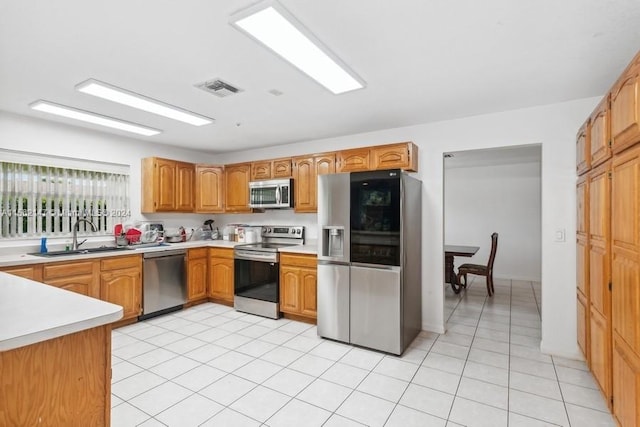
pixel 450 252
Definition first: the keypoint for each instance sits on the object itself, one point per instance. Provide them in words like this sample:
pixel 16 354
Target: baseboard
pixel 438 329
pixel 524 279
pixel 573 355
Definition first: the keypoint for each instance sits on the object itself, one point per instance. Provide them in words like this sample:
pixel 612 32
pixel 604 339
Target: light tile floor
pixel 212 366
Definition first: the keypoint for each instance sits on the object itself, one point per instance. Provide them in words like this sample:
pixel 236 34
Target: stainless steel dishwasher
pixel 164 284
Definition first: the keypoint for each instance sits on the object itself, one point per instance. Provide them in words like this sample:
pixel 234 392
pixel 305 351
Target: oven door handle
pixel 255 256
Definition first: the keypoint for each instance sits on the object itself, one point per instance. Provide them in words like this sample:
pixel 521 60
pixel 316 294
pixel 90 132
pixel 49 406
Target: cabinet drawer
pixel 67 269
pixel 117 263
pixel 221 253
pixel 197 253
pixel 298 260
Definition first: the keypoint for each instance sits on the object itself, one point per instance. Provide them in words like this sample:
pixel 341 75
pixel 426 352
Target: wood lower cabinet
pixel 236 178
pixel 626 384
pixel 75 276
pixel 305 174
pixel 625 109
pixel 583 149
pixel 167 185
pixel 209 197
pixel 582 265
pixel 121 283
pixel 600 276
pixel 298 285
pixel 33 272
pixel 64 381
pixel 197 278
pixel 221 274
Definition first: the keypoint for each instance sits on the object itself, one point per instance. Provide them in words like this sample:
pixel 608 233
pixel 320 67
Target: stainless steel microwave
pixel 271 194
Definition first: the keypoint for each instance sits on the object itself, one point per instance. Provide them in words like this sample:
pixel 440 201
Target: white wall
pixel 554 127
pixel 502 198
pixel 45 137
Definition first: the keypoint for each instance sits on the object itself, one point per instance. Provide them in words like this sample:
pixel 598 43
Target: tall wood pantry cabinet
pixel 608 245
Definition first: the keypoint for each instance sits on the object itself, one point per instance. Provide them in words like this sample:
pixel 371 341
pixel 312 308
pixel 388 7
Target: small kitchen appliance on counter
pixel 257 270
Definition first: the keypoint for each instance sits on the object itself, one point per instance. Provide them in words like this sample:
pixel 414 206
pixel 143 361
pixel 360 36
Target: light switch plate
pixel 560 235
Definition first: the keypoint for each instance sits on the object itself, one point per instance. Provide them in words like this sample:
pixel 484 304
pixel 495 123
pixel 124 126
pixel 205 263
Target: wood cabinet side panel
pixel 64 381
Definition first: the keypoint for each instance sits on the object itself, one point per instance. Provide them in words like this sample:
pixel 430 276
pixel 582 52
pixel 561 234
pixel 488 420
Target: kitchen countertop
pixel 309 248
pixel 31 312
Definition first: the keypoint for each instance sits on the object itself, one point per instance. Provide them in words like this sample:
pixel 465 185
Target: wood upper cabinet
pixel 625 109
pixel 625 247
pixel 271 169
pixel 353 160
pixel 582 264
pixel 75 276
pixel 237 179
pixel 33 272
pixel 221 274
pixel 583 149
pixel 298 285
pixel 599 134
pixel 403 155
pixel 209 196
pixel 306 170
pixel 121 283
pixel 600 276
pixel 197 278
pixel 167 185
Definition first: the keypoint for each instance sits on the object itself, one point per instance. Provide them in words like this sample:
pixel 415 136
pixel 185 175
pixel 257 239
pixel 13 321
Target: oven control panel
pixel 295 231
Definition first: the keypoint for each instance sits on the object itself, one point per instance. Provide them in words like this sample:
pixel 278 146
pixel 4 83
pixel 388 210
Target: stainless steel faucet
pixel 76 227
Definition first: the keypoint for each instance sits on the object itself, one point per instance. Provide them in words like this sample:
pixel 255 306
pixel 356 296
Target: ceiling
pixel 423 61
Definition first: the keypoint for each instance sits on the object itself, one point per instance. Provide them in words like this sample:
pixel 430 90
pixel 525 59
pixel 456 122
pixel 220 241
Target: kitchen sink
pixel 52 254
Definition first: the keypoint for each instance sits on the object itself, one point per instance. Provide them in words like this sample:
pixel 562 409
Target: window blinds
pixel 40 200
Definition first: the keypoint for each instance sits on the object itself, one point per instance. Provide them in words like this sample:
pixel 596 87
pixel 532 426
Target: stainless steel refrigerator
pixel 369 259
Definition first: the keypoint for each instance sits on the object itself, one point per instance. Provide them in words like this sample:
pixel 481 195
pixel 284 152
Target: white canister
pixel 250 236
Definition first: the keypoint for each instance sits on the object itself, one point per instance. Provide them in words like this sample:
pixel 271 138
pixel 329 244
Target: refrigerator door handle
pixel 377 266
pixel 331 262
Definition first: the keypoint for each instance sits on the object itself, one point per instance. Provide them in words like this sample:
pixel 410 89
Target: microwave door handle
pixel 277 195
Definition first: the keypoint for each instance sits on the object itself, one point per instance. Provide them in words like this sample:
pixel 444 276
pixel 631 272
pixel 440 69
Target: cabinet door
pixel 309 297
pixel 261 170
pixel 583 148
pixel 282 168
pixel 209 189
pixel 185 185
pixel 353 160
pixel 305 184
pixel 33 272
pixel 79 284
pixel 324 164
pixel 625 247
pixel 599 276
pixel 124 288
pixel 237 187
pixel 396 156
pixel 599 134
pixel 165 179
pixel 626 384
pixel 583 324
pixel 197 279
pixel 290 288
pixel 625 110
pixel 221 279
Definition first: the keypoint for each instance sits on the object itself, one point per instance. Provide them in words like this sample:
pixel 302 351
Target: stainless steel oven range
pixel 257 270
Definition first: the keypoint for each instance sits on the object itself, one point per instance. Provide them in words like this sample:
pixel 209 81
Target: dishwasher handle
pixel 163 254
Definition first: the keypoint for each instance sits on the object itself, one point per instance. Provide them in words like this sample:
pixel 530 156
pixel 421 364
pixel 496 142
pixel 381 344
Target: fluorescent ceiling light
pixel 270 24
pixel 131 99
pixel 85 116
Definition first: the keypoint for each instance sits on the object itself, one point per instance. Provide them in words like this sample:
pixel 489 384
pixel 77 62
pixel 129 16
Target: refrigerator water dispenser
pixel 333 242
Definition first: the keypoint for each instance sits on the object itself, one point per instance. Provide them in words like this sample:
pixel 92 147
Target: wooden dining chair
pixel 479 269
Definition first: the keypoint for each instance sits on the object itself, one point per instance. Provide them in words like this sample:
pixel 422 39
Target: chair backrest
pixel 494 249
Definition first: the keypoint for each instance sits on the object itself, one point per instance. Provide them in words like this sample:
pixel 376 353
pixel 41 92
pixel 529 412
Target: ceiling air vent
pixel 219 88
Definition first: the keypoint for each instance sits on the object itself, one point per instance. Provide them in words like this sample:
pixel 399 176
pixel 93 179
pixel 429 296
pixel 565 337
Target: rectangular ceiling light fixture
pixel 86 116
pixel 141 102
pixel 272 25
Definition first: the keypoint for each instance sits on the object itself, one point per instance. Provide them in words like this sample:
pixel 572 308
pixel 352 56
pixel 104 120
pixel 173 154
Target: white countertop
pixel 32 312
pixel 23 259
